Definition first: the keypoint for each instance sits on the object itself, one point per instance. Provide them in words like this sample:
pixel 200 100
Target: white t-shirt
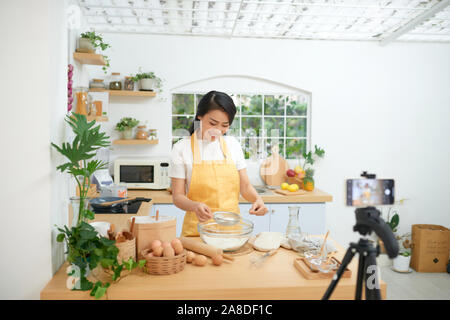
pixel 181 158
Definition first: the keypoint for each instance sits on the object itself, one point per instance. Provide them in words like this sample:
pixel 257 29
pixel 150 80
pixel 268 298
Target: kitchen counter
pixel 315 196
pixel 277 279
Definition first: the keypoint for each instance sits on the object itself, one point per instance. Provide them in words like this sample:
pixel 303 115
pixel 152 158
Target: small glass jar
pixel 81 95
pixel 129 84
pixel 142 133
pixel 97 84
pixel 115 83
pixel 153 134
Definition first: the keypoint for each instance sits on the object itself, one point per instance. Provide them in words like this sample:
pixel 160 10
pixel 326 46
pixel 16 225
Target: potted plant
pixel 90 41
pixel 86 249
pixel 125 126
pixel 402 261
pixel 148 81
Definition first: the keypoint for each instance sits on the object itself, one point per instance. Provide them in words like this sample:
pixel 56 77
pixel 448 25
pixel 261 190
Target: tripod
pixel 367 220
pixel 367 265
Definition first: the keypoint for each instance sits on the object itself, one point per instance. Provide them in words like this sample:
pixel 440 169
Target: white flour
pixel 268 241
pixel 227 244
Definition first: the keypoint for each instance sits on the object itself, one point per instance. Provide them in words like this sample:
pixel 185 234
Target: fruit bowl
pixel 227 238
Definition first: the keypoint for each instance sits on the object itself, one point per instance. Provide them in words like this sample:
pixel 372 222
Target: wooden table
pixel 277 279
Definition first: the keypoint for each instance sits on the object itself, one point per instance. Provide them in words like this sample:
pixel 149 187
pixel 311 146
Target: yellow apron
pixel 214 183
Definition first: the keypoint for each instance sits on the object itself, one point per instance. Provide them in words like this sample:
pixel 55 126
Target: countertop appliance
pixel 142 173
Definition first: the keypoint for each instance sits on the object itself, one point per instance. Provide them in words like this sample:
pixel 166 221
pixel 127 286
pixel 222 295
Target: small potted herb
pixel 125 126
pixel 148 81
pixel 90 41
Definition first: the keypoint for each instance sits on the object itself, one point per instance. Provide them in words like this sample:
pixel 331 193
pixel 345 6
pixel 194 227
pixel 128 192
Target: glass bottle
pixel 129 83
pixel 81 94
pixel 115 83
pixel 293 227
pixel 153 134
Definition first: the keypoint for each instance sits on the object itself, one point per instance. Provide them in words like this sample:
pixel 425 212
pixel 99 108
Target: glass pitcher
pixel 293 228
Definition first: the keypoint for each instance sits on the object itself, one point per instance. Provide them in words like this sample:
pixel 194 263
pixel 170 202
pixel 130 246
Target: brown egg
pixel 174 241
pixel 158 251
pixel 190 256
pixel 166 244
pixel 217 260
pixel 178 247
pixel 200 260
pixel 155 243
pixel 168 252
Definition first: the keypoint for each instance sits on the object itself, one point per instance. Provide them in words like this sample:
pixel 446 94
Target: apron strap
pixel 196 149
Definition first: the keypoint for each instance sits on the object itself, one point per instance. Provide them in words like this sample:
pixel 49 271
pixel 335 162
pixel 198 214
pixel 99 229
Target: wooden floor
pixel 416 285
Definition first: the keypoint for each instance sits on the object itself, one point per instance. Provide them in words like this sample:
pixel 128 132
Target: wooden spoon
pixel 132 224
pixel 324 242
pixel 107 204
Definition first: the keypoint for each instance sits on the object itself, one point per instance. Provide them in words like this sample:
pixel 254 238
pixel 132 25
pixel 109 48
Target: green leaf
pixel 130 264
pixel 142 263
pixel 106 242
pixel 88 214
pixel 117 272
pixel 106 263
pixel 88 235
pixel 395 220
pixel 60 237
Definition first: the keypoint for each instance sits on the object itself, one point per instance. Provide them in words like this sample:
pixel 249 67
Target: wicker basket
pixel 127 250
pixel 295 180
pixel 164 265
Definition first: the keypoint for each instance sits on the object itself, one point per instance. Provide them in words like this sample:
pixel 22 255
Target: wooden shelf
pixel 97 118
pixel 89 58
pixel 133 142
pixel 126 93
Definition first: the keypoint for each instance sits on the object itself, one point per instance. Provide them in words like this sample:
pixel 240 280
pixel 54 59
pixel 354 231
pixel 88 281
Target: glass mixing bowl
pixel 227 238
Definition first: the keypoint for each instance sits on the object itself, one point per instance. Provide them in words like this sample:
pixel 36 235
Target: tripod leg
pixel 345 261
pixel 360 279
pixel 371 279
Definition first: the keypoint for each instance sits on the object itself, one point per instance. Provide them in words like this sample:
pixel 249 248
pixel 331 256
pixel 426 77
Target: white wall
pixel 381 109
pixel 33 97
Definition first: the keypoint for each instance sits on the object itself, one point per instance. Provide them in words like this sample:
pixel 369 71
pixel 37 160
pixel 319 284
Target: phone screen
pixel 370 192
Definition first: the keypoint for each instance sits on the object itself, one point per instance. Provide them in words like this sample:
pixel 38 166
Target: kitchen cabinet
pixel 260 223
pixel 311 217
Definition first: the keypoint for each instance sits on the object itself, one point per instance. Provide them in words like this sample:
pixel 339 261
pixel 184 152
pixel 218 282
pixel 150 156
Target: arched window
pixel 269 113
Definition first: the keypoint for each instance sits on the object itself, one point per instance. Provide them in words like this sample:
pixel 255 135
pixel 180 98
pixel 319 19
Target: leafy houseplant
pixel 309 159
pixel 147 80
pixel 85 248
pixel 96 41
pixel 125 126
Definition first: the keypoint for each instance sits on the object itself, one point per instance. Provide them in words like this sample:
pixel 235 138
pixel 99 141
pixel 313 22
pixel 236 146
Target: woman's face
pixel 214 124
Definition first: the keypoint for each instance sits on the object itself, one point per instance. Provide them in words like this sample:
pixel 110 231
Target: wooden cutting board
pixel 273 169
pixel 302 265
pixel 290 193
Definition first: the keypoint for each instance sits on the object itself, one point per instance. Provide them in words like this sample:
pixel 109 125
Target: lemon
pixel 284 186
pixel 293 187
pixel 298 169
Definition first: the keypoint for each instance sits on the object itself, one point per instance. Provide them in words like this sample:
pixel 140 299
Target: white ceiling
pixel 364 20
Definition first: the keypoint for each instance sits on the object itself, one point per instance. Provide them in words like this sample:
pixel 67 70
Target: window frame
pixel 239 115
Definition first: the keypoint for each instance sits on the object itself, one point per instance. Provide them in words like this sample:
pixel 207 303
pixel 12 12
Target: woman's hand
pixel 258 207
pixel 202 211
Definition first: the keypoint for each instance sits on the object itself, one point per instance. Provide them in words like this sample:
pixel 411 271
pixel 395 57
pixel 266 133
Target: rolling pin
pixel 203 248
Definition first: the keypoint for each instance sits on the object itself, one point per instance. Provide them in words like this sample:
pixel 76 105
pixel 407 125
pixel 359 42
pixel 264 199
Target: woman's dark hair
pixel 214 100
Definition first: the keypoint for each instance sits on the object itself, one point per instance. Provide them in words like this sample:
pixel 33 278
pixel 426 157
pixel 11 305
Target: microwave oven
pixel 142 173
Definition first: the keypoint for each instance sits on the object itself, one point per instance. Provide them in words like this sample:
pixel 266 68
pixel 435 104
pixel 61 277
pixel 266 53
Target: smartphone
pixel 370 192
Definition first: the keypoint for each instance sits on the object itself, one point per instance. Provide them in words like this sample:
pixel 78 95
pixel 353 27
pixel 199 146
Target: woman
pixel 208 169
